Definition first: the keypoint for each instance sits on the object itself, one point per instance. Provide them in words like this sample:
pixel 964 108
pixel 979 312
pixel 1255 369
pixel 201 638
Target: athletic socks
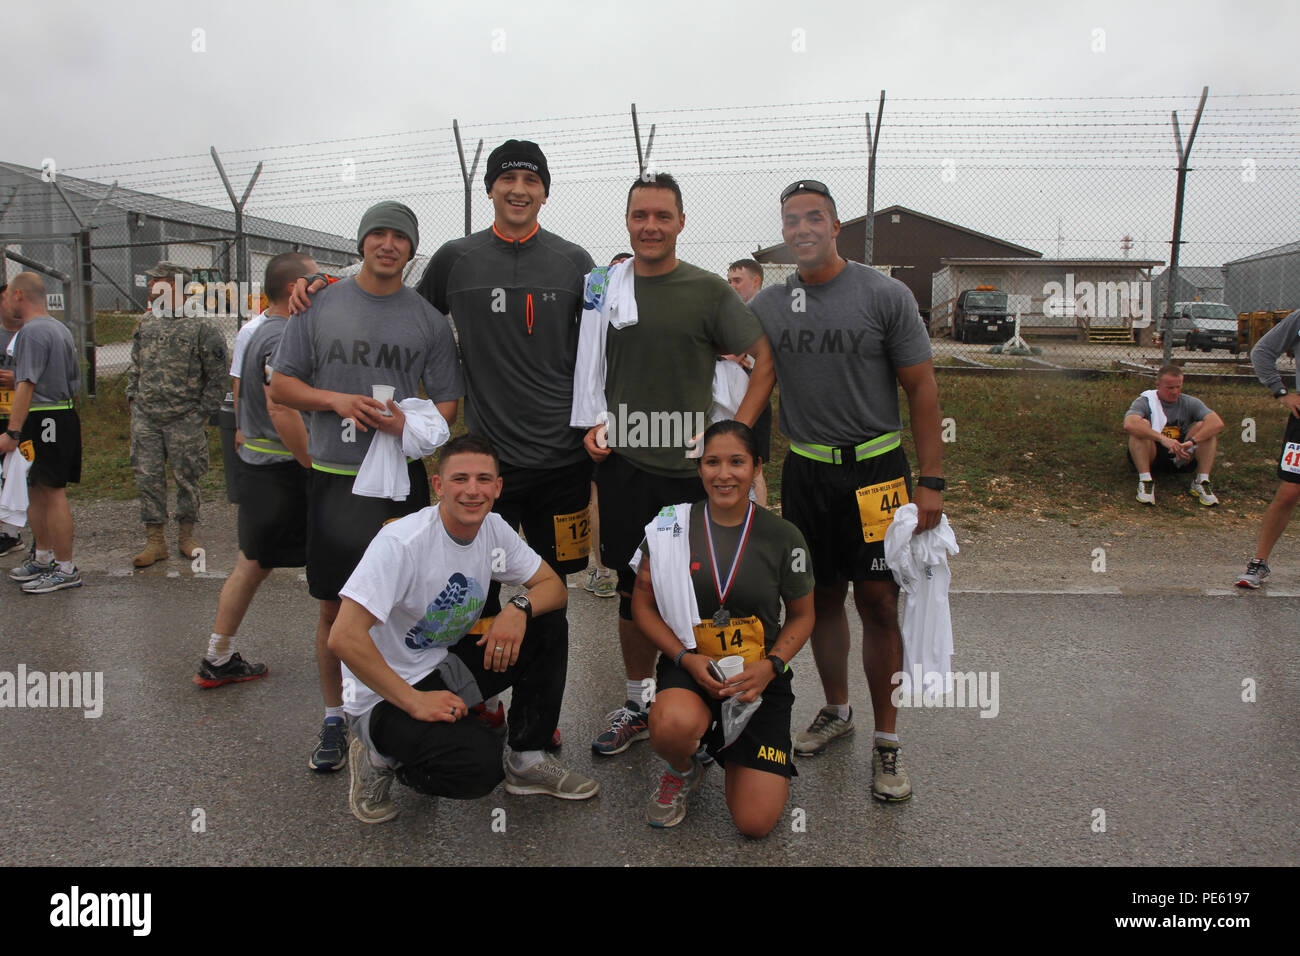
pixel 334 713
pixel 219 651
pixel 521 761
pixel 67 567
pixel 635 689
pixel 1202 477
pixel 892 738
pixel 45 557
pixel 842 711
pixel 1145 476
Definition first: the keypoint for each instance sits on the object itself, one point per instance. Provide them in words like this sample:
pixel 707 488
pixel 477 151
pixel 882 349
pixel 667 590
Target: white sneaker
pixel 1146 492
pixel 1203 493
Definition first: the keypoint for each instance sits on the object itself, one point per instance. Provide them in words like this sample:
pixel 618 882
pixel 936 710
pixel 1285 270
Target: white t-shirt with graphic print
pixel 427 591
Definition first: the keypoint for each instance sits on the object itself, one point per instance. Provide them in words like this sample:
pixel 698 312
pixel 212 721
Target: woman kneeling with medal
pixel 710 584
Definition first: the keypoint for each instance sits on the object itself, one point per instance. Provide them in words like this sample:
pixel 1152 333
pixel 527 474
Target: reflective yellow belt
pixel 835 454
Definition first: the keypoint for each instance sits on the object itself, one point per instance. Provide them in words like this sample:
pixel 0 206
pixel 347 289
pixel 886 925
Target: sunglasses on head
pixel 805 186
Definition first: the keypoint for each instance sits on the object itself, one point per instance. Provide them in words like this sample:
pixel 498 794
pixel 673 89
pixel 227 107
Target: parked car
pixel 982 314
pixel 1210 334
pixel 1190 315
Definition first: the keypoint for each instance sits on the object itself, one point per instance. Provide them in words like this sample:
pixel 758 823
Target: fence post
pixel 642 157
pixel 870 222
pixel 467 175
pixel 1171 287
pixel 242 267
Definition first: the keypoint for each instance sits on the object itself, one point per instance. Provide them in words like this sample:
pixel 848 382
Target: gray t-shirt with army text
pixel 46 356
pixel 836 346
pixel 349 340
pixel 1182 414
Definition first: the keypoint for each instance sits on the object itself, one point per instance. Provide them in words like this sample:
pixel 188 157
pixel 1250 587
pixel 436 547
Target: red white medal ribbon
pixel 735 561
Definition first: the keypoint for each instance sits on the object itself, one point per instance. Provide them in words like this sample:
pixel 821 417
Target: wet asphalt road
pixel 1129 704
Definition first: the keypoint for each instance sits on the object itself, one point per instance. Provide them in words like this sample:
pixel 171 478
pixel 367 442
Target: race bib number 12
pixel 572 535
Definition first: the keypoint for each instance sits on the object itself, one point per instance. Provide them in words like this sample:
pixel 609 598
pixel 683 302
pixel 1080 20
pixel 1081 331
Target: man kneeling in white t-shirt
pixel 414 662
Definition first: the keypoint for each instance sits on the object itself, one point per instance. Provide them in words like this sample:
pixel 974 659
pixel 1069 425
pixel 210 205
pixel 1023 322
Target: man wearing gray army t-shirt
pixel 1182 435
pixel 843 337
pixel 360 332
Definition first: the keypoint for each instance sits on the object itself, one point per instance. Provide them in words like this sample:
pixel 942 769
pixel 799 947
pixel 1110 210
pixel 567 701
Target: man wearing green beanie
pixel 366 330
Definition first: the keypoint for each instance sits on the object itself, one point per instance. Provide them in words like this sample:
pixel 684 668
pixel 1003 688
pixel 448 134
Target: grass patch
pixel 111 327
pixel 1052 447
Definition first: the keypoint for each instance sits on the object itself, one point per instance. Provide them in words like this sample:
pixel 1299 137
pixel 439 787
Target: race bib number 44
pixel 877 504
pixel 742 636
pixel 1291 458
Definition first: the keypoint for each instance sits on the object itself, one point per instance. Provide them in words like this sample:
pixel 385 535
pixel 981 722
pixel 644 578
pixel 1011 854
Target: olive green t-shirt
pixel 774 567
pixel 659 372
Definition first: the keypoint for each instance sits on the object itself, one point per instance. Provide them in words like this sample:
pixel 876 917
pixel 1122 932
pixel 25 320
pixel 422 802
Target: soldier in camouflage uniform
pixel 177 380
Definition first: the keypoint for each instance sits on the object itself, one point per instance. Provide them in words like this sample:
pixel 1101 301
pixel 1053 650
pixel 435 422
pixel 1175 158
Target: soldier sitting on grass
pixel 1170 431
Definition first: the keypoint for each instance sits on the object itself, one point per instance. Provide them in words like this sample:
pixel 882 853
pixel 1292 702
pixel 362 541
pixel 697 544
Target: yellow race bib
pixel 573 535
pixel 743 636
pixel 6 402
pixel 877 504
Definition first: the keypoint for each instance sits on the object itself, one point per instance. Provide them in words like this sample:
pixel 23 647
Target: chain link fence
pixel 1033 232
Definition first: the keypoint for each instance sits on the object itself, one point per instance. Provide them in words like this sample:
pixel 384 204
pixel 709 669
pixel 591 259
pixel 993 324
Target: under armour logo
pixel 549 296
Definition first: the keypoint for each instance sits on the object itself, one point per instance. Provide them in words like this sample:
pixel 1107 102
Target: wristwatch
pixel 14 433
pixel 1280 392
pixel 778 665
pixel 934 484
pixel 523 604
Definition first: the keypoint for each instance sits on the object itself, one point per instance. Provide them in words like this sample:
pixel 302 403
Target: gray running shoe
pixel 1201 489
pixel 549 776
pixel 30 570
pixel 667 806
pixel 1146 492
pixel 368 786
pixel 1256 573
pixel 826 726
pixel 888 778
pixel 53 580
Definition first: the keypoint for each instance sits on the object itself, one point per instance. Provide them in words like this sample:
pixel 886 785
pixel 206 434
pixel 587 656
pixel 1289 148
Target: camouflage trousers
pixel 185 443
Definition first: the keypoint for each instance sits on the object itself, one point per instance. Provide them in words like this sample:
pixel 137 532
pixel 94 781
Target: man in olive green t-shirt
pixel 658 390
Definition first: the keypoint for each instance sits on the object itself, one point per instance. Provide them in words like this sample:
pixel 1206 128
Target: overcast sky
pixel 93 83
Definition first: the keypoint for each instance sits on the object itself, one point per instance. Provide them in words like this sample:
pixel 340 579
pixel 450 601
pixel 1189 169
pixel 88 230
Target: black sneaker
pixel 9 543
pixel 331 752
pixel 231 672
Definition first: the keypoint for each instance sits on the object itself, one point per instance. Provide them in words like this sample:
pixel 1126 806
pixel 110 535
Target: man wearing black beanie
pixel 514 292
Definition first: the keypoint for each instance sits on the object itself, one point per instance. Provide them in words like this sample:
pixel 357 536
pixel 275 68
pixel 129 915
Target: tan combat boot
pixel 185 539
pixel 155 548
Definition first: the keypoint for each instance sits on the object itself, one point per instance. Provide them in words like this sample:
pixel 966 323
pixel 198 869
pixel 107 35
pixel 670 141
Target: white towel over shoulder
pixel 608 298
pixel 383 472
pixel 920 566
pixel 1158 418
pixel 669 537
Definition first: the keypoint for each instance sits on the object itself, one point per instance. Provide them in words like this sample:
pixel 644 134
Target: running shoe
pixel 30 570
pixel 1256 573
pixel 53 580
pixel 1146 492
pixel 1203 493
pixel 826 726
pixel 627 725
pixel 232 671
pixel 331 752
pixel 602 582
pixel 368 786
pixel 9 543
pixel 549 776
pixel 888 778
pixel 667 806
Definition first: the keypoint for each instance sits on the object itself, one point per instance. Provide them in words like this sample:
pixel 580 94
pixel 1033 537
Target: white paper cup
pixel 731 666
pixel 383 394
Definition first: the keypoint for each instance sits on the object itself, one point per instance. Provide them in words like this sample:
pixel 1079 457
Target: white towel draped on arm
pixel 608 298
pixel 13 493
pixel 668 535
pixel 383 473
pixel 1158 418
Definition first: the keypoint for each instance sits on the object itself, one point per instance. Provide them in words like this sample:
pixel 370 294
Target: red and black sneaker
pixel 232 671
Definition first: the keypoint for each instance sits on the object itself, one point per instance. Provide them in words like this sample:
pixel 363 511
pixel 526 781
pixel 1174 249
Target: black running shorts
pixel 822 501
pixel 273 513
pixel 764 744
pixel 56 439
pixel 340 525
